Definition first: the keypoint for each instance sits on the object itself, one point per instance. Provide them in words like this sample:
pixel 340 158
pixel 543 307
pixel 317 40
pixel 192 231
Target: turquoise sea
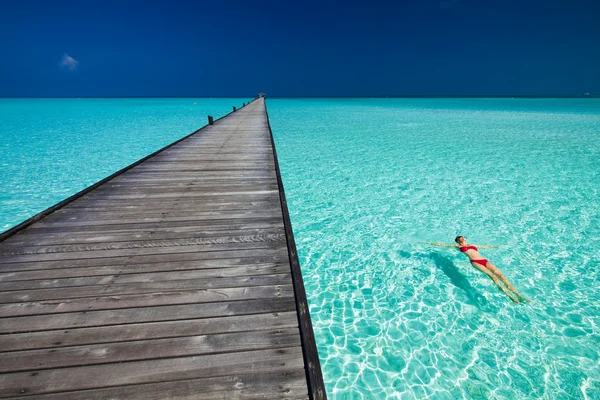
pixel 368 181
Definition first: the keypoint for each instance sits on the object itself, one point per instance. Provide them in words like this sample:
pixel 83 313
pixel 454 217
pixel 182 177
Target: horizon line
pixel 583 96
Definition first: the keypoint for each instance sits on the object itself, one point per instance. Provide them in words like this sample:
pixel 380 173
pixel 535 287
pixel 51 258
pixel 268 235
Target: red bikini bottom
pixel 483 262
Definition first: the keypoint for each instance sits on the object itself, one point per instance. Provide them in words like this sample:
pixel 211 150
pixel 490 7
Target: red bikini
pixel 465 248
pixel 482 261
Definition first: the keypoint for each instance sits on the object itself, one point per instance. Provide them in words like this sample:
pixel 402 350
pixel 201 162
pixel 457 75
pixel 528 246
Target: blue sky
pixel 308 48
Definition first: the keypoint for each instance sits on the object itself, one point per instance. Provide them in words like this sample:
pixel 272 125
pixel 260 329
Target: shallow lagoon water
pixel 369 180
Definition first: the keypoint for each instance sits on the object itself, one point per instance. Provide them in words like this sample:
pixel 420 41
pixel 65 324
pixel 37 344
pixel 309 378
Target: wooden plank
pixel 176 226
pixel 150 207
pixel 149 349
pixel 259 255
pixel 198 176
pixel 229 178
pixel 18 296
pixel 281 384
pixel 179 182
pixel 43 283
pixel 214 186
pixel 155 191
pixel 186 156
pixel 59 221
pixel 199 187
pixel 204 171
pixel 233 194
pixel 138 244
pixel 212 172
pixel 206 177
pixel 198 162
pixel 81 218
pixel 176 166
pixel 129 309
pixel 174 203
pixel 32 239
pixel 220 169
pixel 231 268
pixel 138 372
pixel 133 252
pixel 151 214
pixel 174 209
pixel 148 330
pixel 168 203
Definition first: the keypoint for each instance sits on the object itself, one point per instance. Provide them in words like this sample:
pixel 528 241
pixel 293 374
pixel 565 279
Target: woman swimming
pixel 484 266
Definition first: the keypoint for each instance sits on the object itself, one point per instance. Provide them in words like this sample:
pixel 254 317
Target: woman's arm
pixel 441 244
pixel 481 246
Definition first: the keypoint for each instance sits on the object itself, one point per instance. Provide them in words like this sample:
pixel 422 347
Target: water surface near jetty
pixel 368 180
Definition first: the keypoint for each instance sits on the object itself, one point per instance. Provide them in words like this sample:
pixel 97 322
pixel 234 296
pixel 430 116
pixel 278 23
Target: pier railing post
pixel 210 120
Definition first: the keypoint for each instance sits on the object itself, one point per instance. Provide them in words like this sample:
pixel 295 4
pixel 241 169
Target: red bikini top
pixel 463 249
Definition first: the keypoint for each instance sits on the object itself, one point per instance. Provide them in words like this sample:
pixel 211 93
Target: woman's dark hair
pixel 458 237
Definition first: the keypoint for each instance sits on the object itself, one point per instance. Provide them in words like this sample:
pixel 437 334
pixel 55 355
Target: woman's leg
pixel 500 276
pixel 493 278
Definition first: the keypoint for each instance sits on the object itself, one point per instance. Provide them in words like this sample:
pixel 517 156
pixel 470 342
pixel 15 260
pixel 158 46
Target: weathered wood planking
pixel 176 277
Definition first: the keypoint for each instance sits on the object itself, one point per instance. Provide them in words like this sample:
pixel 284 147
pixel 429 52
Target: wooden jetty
pixel 176 277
